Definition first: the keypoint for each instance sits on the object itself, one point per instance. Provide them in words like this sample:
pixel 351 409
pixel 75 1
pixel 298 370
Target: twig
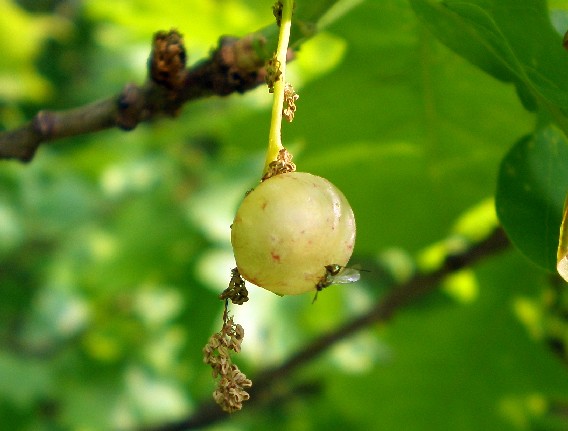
pixel 416 288
pixel 235 66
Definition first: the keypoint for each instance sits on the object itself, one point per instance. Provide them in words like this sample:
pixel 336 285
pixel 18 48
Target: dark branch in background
pixel 235 66
pixel 264 384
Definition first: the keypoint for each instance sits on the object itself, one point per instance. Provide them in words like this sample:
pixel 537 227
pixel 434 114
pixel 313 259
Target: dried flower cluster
pixel 277 12
pixel 237 291
pixel 273 73
pixel 290 97
pixel 230 392
pixel 282 165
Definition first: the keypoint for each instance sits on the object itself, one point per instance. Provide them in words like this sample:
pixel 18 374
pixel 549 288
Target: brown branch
pixel 236 66
pixel 419 286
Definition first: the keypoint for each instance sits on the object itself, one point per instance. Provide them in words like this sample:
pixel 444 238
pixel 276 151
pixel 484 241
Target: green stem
pixel 275 135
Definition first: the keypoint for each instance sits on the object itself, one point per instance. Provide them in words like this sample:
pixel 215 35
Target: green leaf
pixel 533 181
pixel 511 40
pixel 453 30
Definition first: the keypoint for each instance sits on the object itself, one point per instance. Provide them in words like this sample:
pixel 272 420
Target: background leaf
pixel 533 181
pixel 525 49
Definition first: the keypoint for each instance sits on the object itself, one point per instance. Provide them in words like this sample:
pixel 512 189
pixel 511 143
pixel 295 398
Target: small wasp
pixel 337 274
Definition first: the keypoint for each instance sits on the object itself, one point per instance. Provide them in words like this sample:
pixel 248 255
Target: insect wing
pixel 345 276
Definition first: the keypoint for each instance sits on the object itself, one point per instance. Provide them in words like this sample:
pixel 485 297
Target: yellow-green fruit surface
pixel 288 229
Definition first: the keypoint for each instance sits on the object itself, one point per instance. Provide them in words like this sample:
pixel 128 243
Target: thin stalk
pixel 275 135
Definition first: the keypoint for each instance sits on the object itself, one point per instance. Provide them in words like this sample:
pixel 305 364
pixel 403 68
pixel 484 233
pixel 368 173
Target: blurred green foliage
pixel 114 246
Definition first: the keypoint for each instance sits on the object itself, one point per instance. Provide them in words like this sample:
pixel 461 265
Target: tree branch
pixel 236 66
pixel 399 296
